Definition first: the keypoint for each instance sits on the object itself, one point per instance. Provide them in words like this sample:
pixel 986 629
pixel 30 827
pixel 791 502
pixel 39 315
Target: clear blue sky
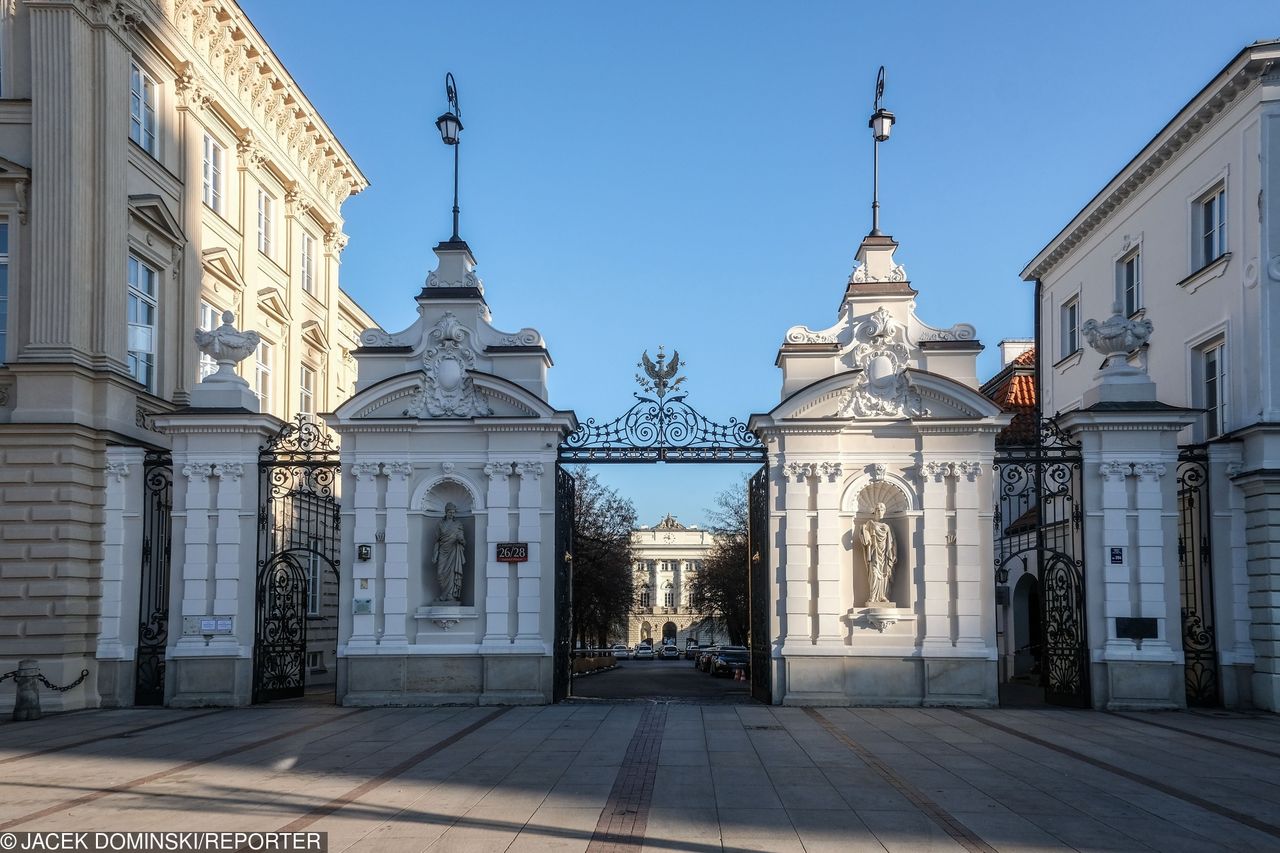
pixel 698 174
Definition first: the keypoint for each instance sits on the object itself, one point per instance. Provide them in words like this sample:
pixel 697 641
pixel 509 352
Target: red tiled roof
pixel 1027 359
pixel 1014 390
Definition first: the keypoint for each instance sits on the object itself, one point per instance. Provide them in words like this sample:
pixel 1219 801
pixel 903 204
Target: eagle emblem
pixel 658 378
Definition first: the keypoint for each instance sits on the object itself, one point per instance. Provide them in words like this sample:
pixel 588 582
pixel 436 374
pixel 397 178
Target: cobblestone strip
pixel 1222 811
pixel 1188 733
pixel 626 815
pixel 387 775
pixel 119 734
pixel 958 831
pixel 186 765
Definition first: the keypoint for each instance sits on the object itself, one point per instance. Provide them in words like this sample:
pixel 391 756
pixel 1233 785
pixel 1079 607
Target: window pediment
pixel 152 212
pixel 272 301
pixel 221 265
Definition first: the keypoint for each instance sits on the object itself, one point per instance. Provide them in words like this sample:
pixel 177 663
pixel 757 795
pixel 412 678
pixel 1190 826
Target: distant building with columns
pixel 158 166
pixel 667 557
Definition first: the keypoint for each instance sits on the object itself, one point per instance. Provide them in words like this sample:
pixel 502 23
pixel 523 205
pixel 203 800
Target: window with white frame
pixel 266 223
pixel 306 391
pixel 262 375
pixel 315 661
pixel 210 319
pixel 307 263
pixel 1070 314
pixel 668 596
pixel 1213 388
pixel 142 108
pixel 142 312
pixel 4 289
pixel 645 598
pixel 314 579
pixel 214 157
pixel 1129 282
pixel 1210 225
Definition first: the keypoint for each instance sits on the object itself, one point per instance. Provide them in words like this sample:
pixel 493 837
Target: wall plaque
pixel 513 552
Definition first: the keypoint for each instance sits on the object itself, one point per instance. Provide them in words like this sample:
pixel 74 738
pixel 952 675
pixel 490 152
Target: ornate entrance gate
pixel 1039 527
pixel 153 601
pixel 660 427
pixel 298 540
pixel 1195 573
pixel 563 656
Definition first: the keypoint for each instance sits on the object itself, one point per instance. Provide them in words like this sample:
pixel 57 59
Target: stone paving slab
pixel 630 777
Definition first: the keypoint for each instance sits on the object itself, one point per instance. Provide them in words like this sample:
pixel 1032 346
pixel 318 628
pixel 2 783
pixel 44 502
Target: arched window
pixel 645 598
pixel 668 596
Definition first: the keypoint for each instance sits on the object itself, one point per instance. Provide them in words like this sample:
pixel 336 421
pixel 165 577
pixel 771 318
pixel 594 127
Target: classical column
pixel 194 520
pixel 497 576
pixel 395 567
pixel 117 635
pixel 831 553
pixel 1230 557
pixel 970 569
pixel 529 574
pixel 364 573
pixel 936 633
pixel 796 558
pixel 1261 490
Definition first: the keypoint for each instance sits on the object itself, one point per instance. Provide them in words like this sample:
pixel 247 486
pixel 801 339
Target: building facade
pixel 668 556
pixel 158 167
pixel 1187 235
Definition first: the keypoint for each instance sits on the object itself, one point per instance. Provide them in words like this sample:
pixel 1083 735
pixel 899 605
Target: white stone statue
pixel 450 555
pixel 228 346
pixel 882 555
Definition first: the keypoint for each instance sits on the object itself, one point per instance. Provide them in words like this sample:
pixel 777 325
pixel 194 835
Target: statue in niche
pixel 450 555
pixel 882 555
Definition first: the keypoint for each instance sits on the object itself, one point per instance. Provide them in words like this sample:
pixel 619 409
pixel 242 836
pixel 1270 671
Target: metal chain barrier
pixel 26 704
pixel 84 673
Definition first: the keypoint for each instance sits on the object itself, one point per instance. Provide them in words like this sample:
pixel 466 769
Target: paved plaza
pixel 679 776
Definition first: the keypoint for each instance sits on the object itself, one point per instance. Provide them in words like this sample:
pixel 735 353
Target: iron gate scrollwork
pixel 153 597
pixel 562 657
pixel 1195 574
pixel 299 523
pixel 1039 528
pixel 759 593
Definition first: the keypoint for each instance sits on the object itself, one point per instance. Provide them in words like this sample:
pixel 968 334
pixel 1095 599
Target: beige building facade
pixel 668 557
pixel 158 167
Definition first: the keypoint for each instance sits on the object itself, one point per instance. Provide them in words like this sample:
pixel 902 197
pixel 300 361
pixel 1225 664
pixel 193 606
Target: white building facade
pixel 1188 236
pixel 668 556
pixel 158 166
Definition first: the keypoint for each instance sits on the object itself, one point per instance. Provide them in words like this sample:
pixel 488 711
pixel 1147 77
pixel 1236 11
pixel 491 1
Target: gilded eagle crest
pixel 660 378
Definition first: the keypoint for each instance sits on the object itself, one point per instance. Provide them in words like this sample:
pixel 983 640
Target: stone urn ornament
pixel 1116 337
pixel 228 346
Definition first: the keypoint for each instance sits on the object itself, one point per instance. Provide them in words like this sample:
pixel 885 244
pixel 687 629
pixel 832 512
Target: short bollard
pixel 26 704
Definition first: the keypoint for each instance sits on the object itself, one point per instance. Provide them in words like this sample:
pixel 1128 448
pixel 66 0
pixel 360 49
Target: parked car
pixel 621 652
pixel 728 660
pixel 643 653
pixel 691 652
pixel 704 657
pixel 670 653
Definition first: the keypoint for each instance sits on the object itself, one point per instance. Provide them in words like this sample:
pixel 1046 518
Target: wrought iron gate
pixel 1195 573
pixel 562 659
pixel 298 539
pixel 153 597
pixel 759 591
pixel 1039 527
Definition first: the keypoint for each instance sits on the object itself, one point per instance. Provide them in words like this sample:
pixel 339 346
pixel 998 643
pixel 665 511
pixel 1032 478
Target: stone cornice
pixel 228 63
pixel 1241 75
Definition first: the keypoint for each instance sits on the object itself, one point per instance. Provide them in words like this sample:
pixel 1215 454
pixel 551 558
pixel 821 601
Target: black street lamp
pixel 881 123
pixel 450 126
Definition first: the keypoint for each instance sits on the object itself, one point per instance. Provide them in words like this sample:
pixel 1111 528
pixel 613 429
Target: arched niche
pixel 429 502
pixel 858 505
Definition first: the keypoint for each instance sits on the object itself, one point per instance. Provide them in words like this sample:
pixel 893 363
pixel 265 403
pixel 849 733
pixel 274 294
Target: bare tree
pixel 719 591
pixel 603 590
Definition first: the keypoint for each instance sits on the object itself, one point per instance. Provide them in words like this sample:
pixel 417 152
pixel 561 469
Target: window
pixel 315 661
pixel 313 579
pixel 307 264
pixel 142 322
pixel 645 598
pixel 306 391
pixel 1211 226
pixel 1129 279
pixel 142 109
pixel 1070 326
pixel 1214 389
pixel 266 222
pixel 262 375
pixel 668 597
pixel 210 319
pixel 4 289
pixel 213 159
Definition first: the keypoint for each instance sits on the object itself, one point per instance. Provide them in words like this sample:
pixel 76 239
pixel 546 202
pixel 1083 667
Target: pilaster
pixel 497 576
pixel 936 634
pixel 830 568
pixel 395 567
pixel 972 572
pixel 121 511
pixel 364 573
pixel 529 574
pixel 799 593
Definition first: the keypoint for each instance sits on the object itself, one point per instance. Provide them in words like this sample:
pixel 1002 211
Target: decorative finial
pixel 1117 336
pixel 228 346
pixel 658 379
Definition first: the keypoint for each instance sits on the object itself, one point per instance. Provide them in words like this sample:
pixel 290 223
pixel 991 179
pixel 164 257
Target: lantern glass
pixel 449 126
pixel 881 123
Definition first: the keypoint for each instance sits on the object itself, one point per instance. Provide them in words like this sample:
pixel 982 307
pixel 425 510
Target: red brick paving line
pixel 387 775
pixel 1186 732
pixel 186 765
pixel 1209 806
pixel 626 814
pixel 125 733
pixel 958 831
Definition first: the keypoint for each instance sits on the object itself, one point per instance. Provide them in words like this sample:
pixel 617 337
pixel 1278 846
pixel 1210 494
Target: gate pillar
pixel 121 554
pixel 1129 448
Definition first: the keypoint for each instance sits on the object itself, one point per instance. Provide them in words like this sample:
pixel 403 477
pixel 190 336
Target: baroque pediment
pixel 932 397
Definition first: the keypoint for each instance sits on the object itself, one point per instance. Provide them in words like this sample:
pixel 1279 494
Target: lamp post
pixel 450 126
pixel 881 123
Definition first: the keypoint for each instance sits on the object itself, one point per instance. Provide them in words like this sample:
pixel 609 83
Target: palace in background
pixel 668 556
pixel 158 166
